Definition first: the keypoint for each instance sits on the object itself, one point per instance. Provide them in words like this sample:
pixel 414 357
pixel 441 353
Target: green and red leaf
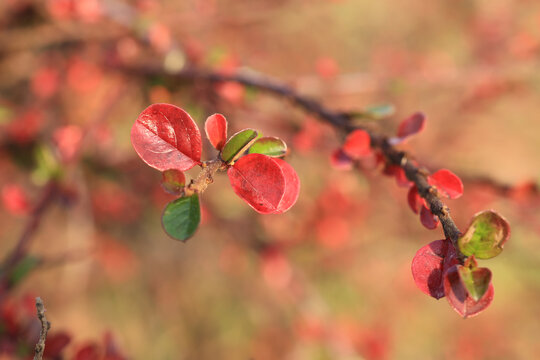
pixel 476 280
pixel 459 298
pixel 486 235
pixel 173 181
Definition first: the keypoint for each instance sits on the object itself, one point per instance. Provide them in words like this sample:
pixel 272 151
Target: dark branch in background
pixel 45 326
pixel 48 196
pixel 337 119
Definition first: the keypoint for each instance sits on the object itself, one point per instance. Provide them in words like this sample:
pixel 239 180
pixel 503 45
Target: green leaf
pixel 270 146
pixel 373 112
pixel 476 280
pixel 380 111
pixel 486 235
pixel 181 217
pixel 23 268
pixel 237 144
pixel 47 165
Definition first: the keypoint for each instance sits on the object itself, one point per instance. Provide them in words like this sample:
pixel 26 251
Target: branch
pixel 49 194
pixel 338 119
pixel 205 177
pixel 45 326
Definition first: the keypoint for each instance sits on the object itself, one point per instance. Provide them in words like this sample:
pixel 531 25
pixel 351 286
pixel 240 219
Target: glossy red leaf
pixel 414 199
pixel 265 183
pixel 357 144
pixel 166 137
pixel 216 130
pixel 292 186
pixel 411 125
pixel 448 183
pixel 340 160
pixel 429 265
pixel 458 296
pixel 427 219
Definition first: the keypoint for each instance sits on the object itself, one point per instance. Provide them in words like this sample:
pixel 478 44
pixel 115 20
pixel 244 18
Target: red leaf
pixel 15 200
pixel 173 181
pixel 216 130
pixel 448 183
pixel 414 199
pixel 55 344
pixel 88 352
pixel 340 160
pixel 427 219
pixel 430 263
pixel 357 144
pixel 398 173
pixel 411 125
pixel 268 185
pixel 292 186
pixel 459 298
pixel 166 137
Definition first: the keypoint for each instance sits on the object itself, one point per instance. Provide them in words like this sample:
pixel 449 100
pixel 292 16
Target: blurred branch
pixel 47 198
pixel 338 119
pixel 51 35
pixel 45 326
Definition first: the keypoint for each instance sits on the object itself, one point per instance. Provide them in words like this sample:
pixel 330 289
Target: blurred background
pixel 330 279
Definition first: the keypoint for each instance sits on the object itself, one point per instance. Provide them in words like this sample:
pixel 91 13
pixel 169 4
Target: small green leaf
pixel 476 280
pixel 237 144
pixel 23 268
pixel 486 235
pixel 181 217
pixel 47 165
pixel 270 146
pixel 380 111
pixel 373 112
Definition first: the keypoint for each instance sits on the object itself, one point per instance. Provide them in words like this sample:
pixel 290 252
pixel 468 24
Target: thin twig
pixel 49 194
pixel 338 119
pixel 45 326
